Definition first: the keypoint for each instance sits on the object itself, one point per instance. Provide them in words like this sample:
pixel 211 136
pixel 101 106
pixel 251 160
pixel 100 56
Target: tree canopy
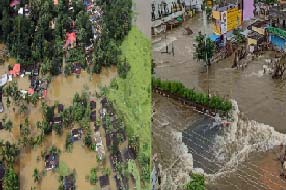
pixel 204 48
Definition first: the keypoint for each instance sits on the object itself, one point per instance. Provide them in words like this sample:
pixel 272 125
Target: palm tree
pixel 36 175
pixel 8 152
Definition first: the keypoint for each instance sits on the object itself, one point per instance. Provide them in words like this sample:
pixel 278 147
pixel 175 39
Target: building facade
pixel 226 19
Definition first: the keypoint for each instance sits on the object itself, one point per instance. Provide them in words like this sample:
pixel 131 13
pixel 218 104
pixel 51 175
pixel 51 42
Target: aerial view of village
pixel 75 95
pixel 219 94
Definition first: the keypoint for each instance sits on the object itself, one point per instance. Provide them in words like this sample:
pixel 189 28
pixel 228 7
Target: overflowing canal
pixel 240 156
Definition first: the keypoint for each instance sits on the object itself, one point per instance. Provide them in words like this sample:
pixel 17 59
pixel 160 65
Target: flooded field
pixel 242 156
pixel 80 159
pixel 61 90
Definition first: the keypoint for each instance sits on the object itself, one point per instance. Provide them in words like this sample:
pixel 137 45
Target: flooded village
pixel 64 124
pixel 206 54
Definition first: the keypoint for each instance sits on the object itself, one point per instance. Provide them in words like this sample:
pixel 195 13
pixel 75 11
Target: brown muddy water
pixel 61 90
pixel 261 100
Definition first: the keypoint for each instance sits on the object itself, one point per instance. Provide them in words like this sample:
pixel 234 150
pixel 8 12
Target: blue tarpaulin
pixel 277 41
pixel 214 37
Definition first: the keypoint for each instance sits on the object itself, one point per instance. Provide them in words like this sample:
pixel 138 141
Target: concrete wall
pixel 248 9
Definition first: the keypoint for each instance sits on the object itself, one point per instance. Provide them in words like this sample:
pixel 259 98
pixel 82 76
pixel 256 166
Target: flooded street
pixel 242 156
pixel 259 96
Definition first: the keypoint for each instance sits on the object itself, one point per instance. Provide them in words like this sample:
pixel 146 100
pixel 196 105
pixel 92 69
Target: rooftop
pixel 104 180
pixel 51 161
pixel 69 182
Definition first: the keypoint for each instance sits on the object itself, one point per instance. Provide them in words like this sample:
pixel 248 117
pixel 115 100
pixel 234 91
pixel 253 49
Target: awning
pixel 214 37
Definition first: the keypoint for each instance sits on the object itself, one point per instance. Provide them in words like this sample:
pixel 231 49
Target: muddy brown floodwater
pixel 61 90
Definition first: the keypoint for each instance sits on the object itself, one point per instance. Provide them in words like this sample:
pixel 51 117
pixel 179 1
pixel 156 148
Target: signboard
pixel 216 29
pixel 210 3
pixel 233 18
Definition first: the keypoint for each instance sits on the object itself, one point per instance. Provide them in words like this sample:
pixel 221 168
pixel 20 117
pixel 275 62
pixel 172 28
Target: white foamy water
pixel 243 137
pixel 178 172
pixel 256 74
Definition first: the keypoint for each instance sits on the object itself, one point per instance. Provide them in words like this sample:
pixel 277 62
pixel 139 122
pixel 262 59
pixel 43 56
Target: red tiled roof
pixel 31 91
pixel 45 93
pixel 16 70
pixel 70 38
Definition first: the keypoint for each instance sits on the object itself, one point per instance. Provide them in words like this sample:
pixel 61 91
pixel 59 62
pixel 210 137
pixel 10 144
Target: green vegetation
pixel 69 143
pixel 238 36
pixel 63 169
pixel 178 88
pixel 197 183
pixel 36 175
pixel 88 139
pixel 117 20
pixel 204 49
pixel 11 180
pixel 132 96
pixel 8 125
pixel 132 169
pixel 8 152
pixel 93 176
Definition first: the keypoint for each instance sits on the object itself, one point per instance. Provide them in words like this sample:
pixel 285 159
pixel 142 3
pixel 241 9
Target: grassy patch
pixel 132 96
pixel 132 169
pixel 63 169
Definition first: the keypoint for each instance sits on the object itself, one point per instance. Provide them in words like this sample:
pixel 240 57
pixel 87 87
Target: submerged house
pixel 93 116
pixel 57 120
pixel 69 182
pixel 92 105
pixel 257 35
pixel 51 161
pixel 76 134
pixel 277 28
pixel 60 108
pixel 104 181
pixel 226 18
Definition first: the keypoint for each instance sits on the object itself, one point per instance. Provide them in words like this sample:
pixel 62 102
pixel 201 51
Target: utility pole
pixel 205 41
